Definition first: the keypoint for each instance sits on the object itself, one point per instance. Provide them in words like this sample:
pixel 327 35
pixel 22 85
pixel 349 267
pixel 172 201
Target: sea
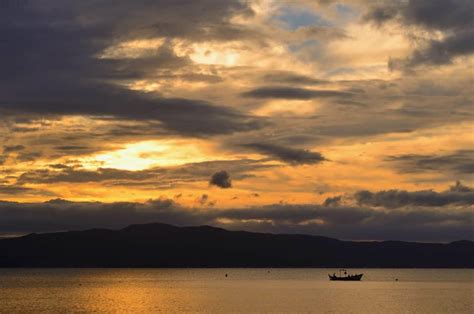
pixel 264 290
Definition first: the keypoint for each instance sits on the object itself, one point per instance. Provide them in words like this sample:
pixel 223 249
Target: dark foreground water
pixel 244 290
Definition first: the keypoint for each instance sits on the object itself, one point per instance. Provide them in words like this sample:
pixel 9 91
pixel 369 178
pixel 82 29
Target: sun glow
pixel 147 154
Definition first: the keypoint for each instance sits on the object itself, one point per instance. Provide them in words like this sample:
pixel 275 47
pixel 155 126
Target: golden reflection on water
pixel 244 290
pixel 134 291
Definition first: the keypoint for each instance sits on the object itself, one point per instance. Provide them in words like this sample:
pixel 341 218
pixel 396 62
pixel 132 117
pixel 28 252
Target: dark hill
pixel 161 245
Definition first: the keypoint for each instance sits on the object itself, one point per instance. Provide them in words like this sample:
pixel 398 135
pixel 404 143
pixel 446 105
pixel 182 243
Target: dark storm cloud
pixel 293 93
pixel 459 162
pixel 289 155
pixel 456 195
pixel 221 179
pixel 454 17
pixel 50 63
pixel 341 222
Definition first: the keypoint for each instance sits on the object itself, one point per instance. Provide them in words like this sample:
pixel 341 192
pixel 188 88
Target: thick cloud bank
pixel 452 17
pixel 386 215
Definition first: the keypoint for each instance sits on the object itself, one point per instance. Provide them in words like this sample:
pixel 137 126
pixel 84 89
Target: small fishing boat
pixel 344 276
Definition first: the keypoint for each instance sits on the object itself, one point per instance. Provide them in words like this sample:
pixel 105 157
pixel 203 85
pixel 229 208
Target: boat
pixel 344 276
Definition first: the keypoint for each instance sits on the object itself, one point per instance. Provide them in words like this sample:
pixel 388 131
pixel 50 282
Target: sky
pixel 351 119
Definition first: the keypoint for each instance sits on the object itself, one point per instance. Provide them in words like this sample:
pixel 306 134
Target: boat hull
pixel 357 277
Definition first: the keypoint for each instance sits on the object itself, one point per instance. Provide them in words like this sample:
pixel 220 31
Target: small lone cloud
pixel 221 179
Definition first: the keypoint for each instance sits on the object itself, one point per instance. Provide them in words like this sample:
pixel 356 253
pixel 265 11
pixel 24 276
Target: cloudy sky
pixel 351 119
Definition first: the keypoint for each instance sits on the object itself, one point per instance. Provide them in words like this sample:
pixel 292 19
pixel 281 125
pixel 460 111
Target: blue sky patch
pixel 295 18
pixel 347 12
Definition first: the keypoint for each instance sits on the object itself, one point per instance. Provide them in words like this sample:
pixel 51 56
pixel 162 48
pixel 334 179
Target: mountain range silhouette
pixel 163 245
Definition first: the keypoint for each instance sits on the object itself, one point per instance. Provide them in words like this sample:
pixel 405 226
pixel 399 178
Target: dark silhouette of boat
pixel 345 276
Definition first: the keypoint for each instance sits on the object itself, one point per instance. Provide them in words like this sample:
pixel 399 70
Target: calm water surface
pixel 244 290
